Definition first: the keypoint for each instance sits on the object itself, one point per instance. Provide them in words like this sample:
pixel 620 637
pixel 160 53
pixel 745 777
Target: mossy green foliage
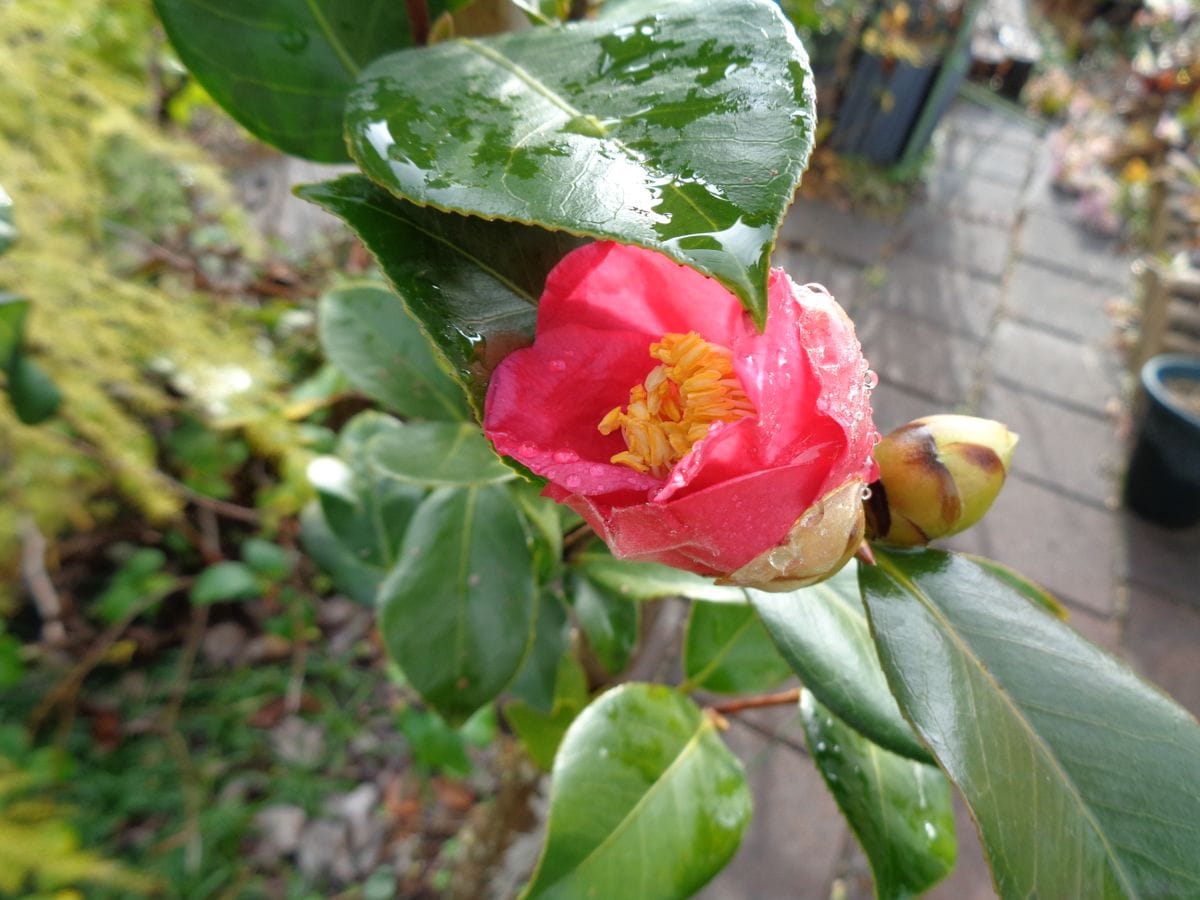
pixel 96 185
pixel 39 846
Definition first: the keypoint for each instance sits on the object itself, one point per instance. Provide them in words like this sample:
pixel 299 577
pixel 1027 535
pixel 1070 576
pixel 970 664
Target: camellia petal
pixel 736 488
pixel 611 287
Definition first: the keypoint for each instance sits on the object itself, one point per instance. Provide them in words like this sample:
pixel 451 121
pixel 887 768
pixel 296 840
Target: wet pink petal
pixel 713 531
pixel 611 286
pixel 545 401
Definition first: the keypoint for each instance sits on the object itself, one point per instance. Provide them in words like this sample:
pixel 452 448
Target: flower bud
pixel 816 547
pixel 938 475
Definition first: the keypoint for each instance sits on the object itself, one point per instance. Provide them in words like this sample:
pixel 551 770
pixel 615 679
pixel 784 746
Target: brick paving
pixel 986 298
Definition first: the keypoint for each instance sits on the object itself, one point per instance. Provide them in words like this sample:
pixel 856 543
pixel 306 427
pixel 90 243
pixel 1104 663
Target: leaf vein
pixel 1035 741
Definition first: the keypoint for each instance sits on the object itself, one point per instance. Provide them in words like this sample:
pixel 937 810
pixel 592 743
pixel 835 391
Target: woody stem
pixel 782 698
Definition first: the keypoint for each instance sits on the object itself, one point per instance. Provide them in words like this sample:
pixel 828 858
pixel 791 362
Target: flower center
pixel 694 387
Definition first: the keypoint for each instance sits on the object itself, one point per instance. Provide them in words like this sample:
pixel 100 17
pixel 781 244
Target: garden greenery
pixel 681 127
pixel 97 190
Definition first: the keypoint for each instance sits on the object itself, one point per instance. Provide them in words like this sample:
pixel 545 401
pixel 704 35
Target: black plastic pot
pixel 1163 483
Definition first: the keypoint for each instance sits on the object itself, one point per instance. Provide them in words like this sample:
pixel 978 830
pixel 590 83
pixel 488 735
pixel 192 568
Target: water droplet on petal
pixel 558 365
pixel 596 469
pixel 564 456
pixel 866 493
pixel 779 559
pixel 573 481
pixel 870 380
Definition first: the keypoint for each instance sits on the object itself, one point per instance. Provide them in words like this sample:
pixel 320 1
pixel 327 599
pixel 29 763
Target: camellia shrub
pixel 595 390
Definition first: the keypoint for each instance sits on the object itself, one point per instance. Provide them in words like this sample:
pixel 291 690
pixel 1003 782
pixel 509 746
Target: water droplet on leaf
pixel 293 40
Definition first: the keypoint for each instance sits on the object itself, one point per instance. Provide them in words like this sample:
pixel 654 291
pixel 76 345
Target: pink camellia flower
pixel 683 435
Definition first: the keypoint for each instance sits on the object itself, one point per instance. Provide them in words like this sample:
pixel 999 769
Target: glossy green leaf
pixel 432 743
pixel 283 68
pixel 822 632
pixel 624 10
pixel 1022 585
pixel 438 748
pixel 1083 779
pixel 367 333
pixel 33 395
pixel 535 681
pixel 900 809
pixel 609 622
pixel 685 130
pixel 224 581
pixel 267 559
pixel 727 650
pixel 140 576
pixel 473 285
pixel 649 581
pixel 546 522
pixel 35 398
pixel 8 229
pixel 355 578
pixel 12 665
pixel 544 12
pixel 457 612
pixel 367 511
pixel 444 454
pixel 13 311
pixel 646 803
pixel 541 733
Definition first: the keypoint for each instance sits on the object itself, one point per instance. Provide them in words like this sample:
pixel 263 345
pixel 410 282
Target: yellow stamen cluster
pixel 694 387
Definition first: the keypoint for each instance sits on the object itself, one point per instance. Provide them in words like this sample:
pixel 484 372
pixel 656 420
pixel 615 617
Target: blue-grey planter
pixel 1163 482
pixel 863 128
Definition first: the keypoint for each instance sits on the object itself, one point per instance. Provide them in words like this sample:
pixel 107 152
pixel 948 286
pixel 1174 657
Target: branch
pixel 775 736
pixel 576 540
pixel 187 660
pixel 783 698
pixel 190 835
pixel 39 585
pixel 418 20
pixel 68 688
pixel 220 507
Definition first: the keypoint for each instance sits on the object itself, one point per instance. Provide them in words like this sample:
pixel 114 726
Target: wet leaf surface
pixel 684 129
pixel 646 801
pixel 1083 779
pixel 900 809
pixel 283 68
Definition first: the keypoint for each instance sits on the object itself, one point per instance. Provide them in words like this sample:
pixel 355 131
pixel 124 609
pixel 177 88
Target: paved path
pixel 985 298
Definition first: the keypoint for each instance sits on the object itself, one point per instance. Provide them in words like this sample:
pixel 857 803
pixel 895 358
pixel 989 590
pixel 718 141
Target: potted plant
pixel 1163 482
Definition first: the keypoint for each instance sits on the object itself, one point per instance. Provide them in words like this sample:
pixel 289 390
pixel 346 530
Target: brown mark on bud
pixel 984 458
pixel 879 516
pixel 921 453
pixel 938 475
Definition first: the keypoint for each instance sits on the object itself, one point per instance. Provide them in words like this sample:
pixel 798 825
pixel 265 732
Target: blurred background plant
pixel 183 693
